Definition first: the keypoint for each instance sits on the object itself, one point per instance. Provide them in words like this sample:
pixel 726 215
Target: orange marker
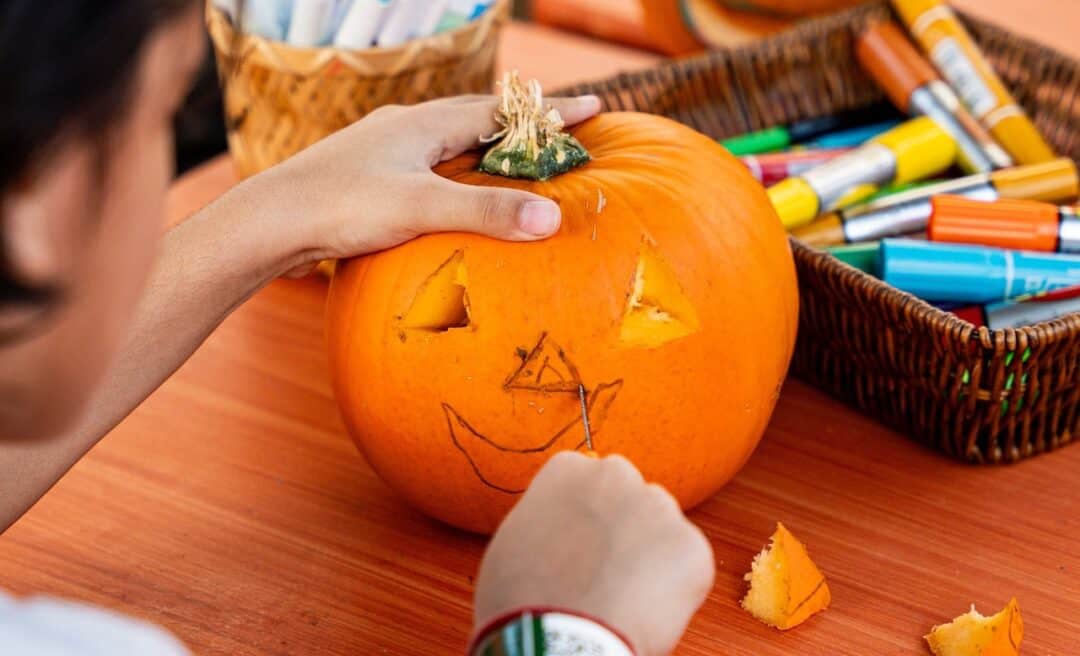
pixel 913 85
pixel 1018 224
pixel 951 48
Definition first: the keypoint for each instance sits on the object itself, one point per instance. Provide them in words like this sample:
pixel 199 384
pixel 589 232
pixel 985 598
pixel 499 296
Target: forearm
pixel 208 265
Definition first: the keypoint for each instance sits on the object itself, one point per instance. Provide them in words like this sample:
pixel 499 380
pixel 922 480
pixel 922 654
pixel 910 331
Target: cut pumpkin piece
pixel 786 587
pixel 973 634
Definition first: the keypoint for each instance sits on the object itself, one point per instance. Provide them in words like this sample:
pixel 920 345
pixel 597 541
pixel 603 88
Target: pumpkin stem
pixel 531 143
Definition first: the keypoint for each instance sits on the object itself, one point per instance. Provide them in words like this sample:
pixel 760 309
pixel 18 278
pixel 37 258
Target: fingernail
pixel 539 217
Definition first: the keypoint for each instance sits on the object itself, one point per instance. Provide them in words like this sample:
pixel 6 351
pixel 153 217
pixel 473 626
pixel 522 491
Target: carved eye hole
pixel 657 310
pixel 442 301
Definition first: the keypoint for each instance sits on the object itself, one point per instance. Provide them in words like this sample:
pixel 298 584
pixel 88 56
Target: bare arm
pixel 367 188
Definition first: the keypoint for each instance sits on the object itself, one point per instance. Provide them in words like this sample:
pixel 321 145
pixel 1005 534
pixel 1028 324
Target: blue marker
pixel 972 274
pixel 852 137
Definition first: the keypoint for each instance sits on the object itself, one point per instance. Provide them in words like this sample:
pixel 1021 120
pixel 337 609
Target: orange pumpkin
pixel 668 296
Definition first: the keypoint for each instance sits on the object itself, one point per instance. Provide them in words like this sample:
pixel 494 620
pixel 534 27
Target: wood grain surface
pixel 232 509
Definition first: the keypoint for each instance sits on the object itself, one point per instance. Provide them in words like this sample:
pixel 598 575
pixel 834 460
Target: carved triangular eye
pixel 658 310
pixel 442 302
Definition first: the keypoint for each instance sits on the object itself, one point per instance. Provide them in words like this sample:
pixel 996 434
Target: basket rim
pixel 457 43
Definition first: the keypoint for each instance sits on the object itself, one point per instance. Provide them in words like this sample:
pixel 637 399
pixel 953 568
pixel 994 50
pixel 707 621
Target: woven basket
pixel 280 99
pixel 984 396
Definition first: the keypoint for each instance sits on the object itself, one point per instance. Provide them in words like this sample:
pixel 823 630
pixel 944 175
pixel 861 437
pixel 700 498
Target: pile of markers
pixel 351 24
pixel 962 204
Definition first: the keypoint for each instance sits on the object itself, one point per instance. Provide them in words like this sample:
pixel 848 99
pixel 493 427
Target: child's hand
pixel 370 186
pixel 590 535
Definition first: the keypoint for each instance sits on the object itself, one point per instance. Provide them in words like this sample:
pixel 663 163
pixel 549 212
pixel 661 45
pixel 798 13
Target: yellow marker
pixel 951 48
pixel 914 150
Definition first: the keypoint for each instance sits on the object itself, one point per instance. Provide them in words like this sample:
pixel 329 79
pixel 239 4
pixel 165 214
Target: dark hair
pixel 67 70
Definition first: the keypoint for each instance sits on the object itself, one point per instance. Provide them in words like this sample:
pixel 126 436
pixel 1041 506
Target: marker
pixel 769 168
pixel 852 137
pixel 362 24
pixel 913 85
pixel 863 257
pixel 429 21
pixel 1027 225
pixel 951 48
pixel 909 212
pixel 404 16
pixel 1022 312
pixel 911 151
pixel 780 137
pixel 972 274
pixel 268 18
pixel 309 19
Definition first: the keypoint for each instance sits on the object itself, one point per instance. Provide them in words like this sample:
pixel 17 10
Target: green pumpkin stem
pixel 531 143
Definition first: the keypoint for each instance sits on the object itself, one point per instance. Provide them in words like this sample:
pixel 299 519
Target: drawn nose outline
pixel 547 370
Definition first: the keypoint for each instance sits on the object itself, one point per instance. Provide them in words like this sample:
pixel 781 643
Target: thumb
pixel 509 214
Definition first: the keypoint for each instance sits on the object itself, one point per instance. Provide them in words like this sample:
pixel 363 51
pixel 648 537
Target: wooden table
pixel 232 509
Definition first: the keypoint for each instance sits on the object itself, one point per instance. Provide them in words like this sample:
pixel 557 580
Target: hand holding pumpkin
pixel 591 536
pixel 370 186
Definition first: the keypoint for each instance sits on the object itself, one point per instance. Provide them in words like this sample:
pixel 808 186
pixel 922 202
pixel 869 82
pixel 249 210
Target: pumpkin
pixel 663 312
pixel 973 634
pixel 786 587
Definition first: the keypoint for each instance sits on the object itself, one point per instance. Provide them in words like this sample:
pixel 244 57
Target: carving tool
pixel 582 396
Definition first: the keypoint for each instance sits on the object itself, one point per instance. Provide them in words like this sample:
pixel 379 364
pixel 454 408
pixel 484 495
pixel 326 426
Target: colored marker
pixel 852 137
pixel 1023 312
pixel 911 151
pixel 404 16
pixel 951 48
pixel 972 274
pixel 362 24
pixel 909 212
pixel 769 168
pixel 309 20
pixel 913 85
pixel 863 257
pixel 1027 225
pixel 780 137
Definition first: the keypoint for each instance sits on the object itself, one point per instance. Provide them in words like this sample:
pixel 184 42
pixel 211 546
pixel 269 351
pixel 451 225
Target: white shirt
pixel 38 626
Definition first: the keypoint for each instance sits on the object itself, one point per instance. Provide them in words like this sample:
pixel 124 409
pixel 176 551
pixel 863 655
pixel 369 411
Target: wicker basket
pixel 979 395
pixel 280 99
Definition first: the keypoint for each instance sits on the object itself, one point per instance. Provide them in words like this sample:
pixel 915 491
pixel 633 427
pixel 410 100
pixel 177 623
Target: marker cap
pixel 762 141
pixel 795 201
pixel 827 230
pixel 893 62
pixel 921 147
pixel 1021 224
pixel 1054 181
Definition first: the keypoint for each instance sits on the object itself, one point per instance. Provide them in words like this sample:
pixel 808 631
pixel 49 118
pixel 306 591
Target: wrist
pixel 548 631
pixel 274 224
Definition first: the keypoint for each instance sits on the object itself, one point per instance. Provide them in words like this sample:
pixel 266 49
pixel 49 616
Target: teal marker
pixel 862 256
pixel 852 137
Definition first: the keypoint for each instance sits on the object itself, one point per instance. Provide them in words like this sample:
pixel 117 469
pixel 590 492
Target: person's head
pixel 89 89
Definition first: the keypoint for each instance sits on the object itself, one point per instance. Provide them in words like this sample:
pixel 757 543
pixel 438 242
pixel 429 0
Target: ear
pixel 44 217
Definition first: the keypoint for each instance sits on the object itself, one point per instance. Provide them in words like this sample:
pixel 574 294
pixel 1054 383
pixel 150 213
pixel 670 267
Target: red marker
pixel 770 168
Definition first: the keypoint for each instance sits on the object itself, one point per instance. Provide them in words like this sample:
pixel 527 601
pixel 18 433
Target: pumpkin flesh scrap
pixel 974 634
pixel 786 587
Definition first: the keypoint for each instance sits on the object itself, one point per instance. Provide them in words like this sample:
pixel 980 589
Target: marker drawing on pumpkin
pixel 471 441
pixel 544 369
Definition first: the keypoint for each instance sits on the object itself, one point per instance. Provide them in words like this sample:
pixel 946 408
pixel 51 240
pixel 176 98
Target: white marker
pixel 402 22
pixel 433 14
pixel 309 18
pixel 362 23
pixel 268 18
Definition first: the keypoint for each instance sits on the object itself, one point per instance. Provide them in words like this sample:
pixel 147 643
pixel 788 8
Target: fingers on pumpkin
pixel 786 587
pixel 974 634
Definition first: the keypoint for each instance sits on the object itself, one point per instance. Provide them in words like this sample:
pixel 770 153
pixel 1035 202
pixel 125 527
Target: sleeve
pixel 39 626
pixel 548 632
